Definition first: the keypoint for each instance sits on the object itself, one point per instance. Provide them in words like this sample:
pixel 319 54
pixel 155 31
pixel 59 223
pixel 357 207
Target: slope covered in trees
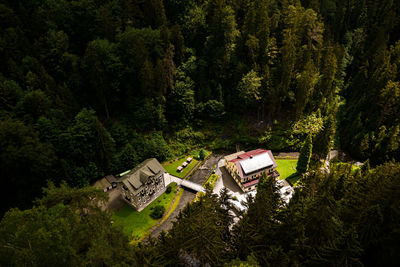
pixel 98 83
pixel 93 87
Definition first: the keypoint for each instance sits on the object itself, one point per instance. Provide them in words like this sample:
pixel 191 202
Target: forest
pixel 93 87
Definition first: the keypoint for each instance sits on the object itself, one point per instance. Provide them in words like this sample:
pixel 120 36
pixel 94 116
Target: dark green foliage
pixel 157 212
pixel 91 140
pixel 257 224
pixel 35 104
pixel 156 147
pixel 25 162
pixel 325 223
pixel 103 68
pixel 251 261
pixel 181 102
pixel 366 166
pixel 202 228
pixel 305 155
pixel 212 110
pixel 202 154
pixel 168 190
pixel 323 141
pixel 89 88
pixel 368 127
pixel 161 66
pixel 127 159
pixel 10 94
pixel 65 227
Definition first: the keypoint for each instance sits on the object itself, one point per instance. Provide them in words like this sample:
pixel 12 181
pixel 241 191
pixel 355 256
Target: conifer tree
pixel 305 155
pixel 255 228
pixel 65 227
pixel 322 142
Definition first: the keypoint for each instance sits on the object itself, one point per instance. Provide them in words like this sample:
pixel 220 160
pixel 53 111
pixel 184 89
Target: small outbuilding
pixel 106 183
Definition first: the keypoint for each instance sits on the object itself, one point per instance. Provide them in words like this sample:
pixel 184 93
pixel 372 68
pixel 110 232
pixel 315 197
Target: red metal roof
pixel 249 154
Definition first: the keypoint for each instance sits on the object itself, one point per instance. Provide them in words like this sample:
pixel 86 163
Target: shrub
pixel 202 154
pixel 158 212
pixel 169 188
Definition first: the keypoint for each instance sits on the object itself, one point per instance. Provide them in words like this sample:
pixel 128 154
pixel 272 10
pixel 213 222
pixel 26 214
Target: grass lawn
pixel 287 170
pixel 286 167
pixel 170 167
pixel 292 179
pixel 210 183
pixel 136 224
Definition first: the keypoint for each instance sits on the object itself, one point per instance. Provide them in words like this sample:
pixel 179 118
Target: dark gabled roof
pixel 138 176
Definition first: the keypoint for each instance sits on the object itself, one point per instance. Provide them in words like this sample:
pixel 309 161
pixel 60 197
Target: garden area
pixel 136 224
pixel 172 165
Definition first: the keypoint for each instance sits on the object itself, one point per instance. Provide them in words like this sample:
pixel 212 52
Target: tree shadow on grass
pixel 292 179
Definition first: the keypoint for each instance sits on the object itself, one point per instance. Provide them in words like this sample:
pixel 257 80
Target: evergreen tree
pixel 256 226
pixel 306 82
pixel 201 228
pixel 63 228
pixel 322 142
pixel 25 163
pixel 127 159
pixel 103 68
pixel 305 155
pixel 89 143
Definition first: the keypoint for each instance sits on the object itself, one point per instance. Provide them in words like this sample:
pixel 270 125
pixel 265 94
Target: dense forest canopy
pixel 93 87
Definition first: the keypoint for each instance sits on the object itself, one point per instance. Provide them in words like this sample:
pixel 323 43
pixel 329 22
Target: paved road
pixel 115 201
pixel 199 176
pixel 225 180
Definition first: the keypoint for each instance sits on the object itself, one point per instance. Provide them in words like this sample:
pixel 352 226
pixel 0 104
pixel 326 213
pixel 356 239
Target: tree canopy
pixel 93 87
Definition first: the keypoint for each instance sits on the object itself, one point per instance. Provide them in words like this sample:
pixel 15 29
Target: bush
pixel 158 212
pixel 202 154
pixel 169 188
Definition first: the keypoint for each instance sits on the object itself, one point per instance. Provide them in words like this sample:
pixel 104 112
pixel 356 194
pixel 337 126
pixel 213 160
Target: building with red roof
pixel 246 168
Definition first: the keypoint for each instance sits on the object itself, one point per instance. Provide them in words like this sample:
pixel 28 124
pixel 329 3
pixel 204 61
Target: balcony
pixel 253 182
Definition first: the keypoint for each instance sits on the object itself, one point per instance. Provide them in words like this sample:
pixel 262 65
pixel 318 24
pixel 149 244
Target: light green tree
pixel 249 88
